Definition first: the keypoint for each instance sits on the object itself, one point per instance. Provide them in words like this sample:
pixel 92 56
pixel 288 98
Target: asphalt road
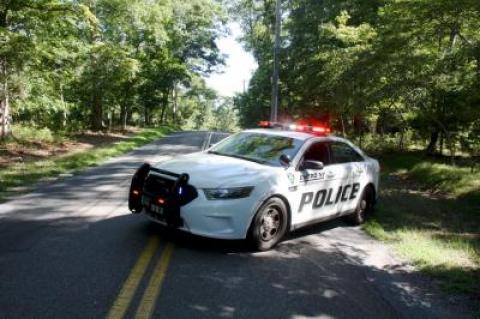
pixel 72 250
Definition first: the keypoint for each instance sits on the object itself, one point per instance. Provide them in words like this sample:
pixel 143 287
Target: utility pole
pixel 276 49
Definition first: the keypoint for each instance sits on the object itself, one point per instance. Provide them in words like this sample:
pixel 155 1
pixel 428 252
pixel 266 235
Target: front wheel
pixel 364 207
pixel 269 224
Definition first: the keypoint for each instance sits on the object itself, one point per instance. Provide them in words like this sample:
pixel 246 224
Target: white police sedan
pixel 258 184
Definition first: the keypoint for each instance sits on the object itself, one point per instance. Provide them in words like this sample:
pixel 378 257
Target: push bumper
pixel 168 199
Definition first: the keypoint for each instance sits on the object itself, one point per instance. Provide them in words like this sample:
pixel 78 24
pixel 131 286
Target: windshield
pixel 257 147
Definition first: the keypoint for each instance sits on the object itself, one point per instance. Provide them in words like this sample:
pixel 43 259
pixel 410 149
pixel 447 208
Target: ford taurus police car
pixel 259 184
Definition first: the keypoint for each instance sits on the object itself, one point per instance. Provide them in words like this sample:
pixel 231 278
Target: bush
pixel 25 134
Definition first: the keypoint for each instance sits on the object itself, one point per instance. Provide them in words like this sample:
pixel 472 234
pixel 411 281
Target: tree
pixel 27 29
pixel 356 60
pixel 76 64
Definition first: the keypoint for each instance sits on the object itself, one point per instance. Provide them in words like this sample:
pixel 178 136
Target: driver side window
pixel 318 152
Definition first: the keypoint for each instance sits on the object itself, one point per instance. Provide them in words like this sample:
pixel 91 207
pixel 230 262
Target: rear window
pixel 343 153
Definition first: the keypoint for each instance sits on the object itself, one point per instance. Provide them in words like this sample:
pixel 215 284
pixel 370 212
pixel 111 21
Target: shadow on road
pixel 211 278
pixel 65 251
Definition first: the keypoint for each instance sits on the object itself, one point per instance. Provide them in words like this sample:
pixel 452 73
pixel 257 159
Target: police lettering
pixel 324 197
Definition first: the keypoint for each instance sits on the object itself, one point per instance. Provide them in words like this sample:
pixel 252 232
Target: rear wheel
pixel 364 207
pixel 269 224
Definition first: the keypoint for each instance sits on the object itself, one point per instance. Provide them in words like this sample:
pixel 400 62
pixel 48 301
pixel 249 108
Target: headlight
pixel 227 193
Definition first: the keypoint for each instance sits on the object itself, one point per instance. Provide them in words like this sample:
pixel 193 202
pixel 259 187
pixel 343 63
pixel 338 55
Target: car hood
pixel 210 170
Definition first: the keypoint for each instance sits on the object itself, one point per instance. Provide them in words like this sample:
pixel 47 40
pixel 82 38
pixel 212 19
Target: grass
pixel 429 212
pixel 454 181
pixel 20 177
pixel 23 134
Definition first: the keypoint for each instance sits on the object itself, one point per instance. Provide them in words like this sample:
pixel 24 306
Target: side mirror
pixel 285 160
pixel 316 165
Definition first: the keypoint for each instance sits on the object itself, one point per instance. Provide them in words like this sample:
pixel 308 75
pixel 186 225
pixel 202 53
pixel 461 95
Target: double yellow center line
pixel 150 295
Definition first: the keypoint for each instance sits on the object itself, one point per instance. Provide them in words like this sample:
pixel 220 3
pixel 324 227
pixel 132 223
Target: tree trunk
pixel 4 116
pixel 112 118
pixel 4 104
pixel 174 99
pixel 162 114
pixel 4 101
pixel 164 106
pixel 123 116
pixel 64 111
pixel 146 118
pixel 442 142
pixel 128 118
pixel 432 145
pixel 97 113
pixel 401 140
pixel 124 108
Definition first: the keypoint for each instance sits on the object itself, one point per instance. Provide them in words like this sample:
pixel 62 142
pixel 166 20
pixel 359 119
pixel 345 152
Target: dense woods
pixel 388 72
pixel 72 65
pixel 392 71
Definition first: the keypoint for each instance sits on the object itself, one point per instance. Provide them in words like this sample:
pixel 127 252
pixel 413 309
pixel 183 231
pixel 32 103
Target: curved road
pixel 72 250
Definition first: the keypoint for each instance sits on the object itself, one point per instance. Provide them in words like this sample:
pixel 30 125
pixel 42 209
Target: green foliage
pixel 225 117
pixel 71 65
pixel 26 134
pixel 385 66
pixel 437 175
pixel 456 181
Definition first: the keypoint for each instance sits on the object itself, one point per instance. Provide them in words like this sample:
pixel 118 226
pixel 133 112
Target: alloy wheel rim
pixel 270 224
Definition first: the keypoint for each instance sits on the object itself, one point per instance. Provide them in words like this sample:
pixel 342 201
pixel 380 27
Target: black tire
pixel 269 224
pixel 364 207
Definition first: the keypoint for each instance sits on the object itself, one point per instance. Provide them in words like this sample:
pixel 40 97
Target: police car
pixel 259 184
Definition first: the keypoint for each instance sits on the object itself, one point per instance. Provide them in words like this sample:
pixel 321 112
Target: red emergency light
pixel 321 129
pixel 313 127
pixel 264 124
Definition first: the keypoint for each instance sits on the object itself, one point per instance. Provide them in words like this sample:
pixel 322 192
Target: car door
pixel 344 155
pixel 317 188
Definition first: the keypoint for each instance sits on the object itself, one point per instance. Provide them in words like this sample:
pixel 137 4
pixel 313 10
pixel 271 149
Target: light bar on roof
pixel 313 129
pixel 264 124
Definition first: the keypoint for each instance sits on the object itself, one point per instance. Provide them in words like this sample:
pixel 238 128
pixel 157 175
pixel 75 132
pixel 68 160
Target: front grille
pixel 158 185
